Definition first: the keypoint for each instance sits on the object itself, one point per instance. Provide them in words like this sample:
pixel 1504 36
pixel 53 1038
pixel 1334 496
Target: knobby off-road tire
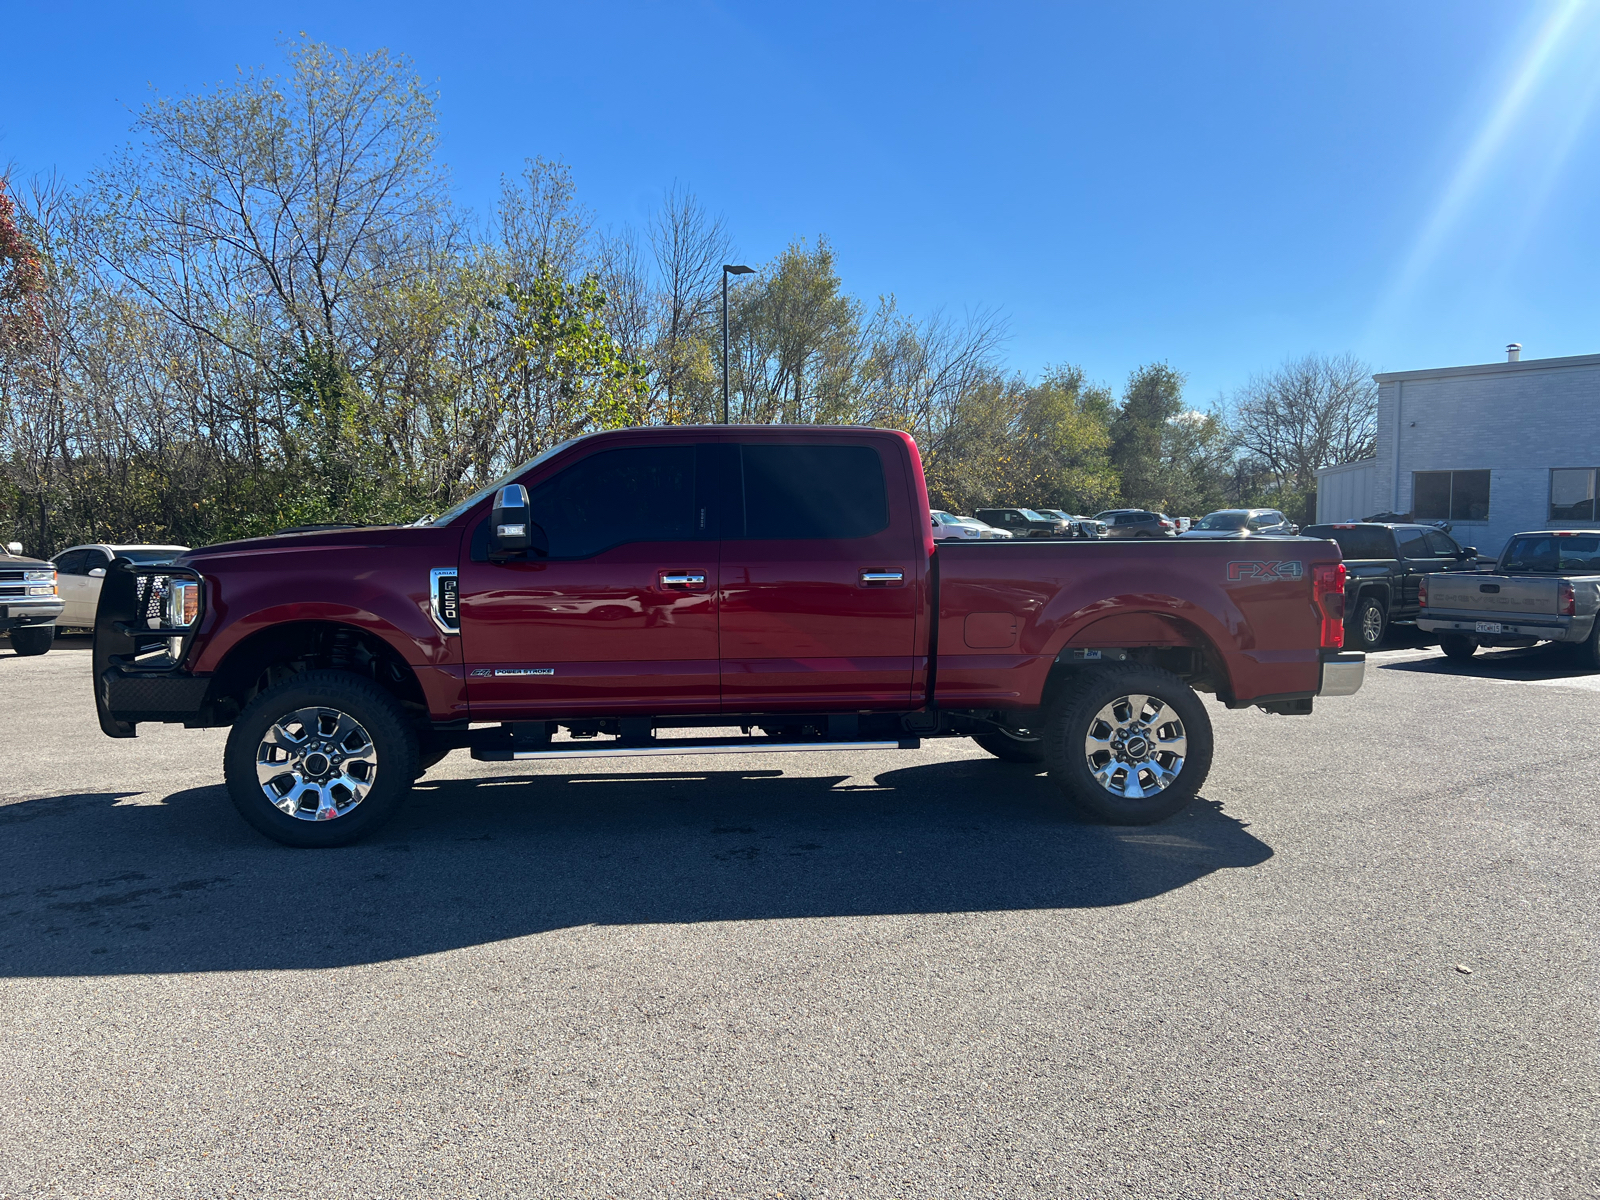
pixel 1010 747
pixel 1128 744
pixel 28 640
pixel 1457 646
pixel 320 760
pixel 1370 624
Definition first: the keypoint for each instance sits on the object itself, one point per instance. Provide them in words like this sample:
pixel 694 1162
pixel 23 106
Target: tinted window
pixel 1450 495
pixel 641 494
pixel 1358 541
pixel 813 491
pixel 97 558
pixel 1572 495
pixel 71 563
pixel 1413 543
pixel 1440 546
pixel 1546 552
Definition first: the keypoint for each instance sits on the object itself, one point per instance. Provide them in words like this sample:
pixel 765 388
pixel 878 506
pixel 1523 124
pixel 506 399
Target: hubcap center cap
pixel 1137 746
pixel 316 763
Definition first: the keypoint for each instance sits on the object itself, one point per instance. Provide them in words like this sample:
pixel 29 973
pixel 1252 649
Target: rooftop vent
pixel 1514 352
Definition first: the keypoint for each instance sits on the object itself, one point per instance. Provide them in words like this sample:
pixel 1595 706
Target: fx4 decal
pixel 1264 572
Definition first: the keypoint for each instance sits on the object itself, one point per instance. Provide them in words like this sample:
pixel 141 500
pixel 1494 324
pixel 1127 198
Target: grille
pixel 10 576
pixel 5 591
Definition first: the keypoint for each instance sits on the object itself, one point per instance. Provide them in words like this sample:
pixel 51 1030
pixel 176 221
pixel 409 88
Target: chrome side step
pixel 676 746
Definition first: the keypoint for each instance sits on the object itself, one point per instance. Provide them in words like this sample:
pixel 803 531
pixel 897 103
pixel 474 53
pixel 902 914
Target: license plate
pixel 1488 627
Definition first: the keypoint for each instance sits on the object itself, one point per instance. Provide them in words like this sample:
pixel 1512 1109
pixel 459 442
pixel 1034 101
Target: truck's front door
pixel 622 614
pixel 820 576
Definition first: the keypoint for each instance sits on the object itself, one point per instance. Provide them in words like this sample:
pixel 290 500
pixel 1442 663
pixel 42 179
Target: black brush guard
pixel 136 677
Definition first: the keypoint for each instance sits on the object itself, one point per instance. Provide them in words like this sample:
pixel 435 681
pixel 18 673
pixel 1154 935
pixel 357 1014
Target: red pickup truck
pixel 626 592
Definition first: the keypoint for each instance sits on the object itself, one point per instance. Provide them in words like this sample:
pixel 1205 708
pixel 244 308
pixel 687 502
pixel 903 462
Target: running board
pixel 674 746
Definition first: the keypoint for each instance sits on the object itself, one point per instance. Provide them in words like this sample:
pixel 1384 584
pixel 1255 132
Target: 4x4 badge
pixel 1265 572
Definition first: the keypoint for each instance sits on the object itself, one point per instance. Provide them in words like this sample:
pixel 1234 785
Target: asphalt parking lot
pixel 1362 965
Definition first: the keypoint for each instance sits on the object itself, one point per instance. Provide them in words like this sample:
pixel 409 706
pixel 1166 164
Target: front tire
pixel 320 760
pixel 1129 744
pixel 29 640
pixel 1011 747
pixel 1458 646
pixel 1370 624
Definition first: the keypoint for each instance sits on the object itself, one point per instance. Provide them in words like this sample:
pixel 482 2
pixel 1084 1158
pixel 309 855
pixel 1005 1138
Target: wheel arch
pixel 269 656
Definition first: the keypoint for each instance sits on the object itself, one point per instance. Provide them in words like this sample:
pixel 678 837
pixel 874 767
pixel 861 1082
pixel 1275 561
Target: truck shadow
pixel 1531 664
pixel 102 884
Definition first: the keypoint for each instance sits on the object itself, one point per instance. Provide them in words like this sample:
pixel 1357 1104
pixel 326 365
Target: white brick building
pixel 1494 449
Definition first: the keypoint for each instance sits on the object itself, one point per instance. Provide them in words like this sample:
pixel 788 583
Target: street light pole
pixel 726 271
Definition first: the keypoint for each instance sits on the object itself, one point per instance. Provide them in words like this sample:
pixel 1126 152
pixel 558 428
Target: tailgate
pixel 1494 593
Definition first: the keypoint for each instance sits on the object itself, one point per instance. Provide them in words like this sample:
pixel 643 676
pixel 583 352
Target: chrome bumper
pixel 30 612
pixel 1343 674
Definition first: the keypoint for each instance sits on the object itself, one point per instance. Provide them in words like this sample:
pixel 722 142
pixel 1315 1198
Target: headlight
pixel 183 602
pixel 41 591
pixel 39 576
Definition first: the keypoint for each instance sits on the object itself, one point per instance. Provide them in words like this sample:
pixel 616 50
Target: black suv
pixel 1384 564
pixel 1024 522
pixel 1136 523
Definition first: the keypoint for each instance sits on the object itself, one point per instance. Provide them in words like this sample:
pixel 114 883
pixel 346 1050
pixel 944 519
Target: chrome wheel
pixel 1372 624
pixel 1136 746
pixel 316 764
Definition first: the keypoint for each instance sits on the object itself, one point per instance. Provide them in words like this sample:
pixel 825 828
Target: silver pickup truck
pixel 1544 588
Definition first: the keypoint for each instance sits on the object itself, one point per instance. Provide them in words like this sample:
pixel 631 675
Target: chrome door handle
pixel 892 576
pixel 683 579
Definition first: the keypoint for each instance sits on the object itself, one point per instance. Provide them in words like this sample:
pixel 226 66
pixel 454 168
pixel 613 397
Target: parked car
pixel 1242 522
pixel 1137 523
pixel 948 527
pixel 1081 527
pixel 1024 522
pixel 83 567
pixel 1545 587
pixel 680 580
pixel 1384 566
pixel 29 602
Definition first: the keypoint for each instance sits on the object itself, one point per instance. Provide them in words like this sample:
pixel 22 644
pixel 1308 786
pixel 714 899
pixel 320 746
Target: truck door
pixel 621 615
pixel 820 576
pixel 1416 561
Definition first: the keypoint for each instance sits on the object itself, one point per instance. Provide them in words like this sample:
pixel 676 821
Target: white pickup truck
pixel 1544 588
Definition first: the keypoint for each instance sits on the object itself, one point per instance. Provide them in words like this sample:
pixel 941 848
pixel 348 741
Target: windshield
pixel 450 514
pixel 1546 552
pixel 149 556
pixel 1222 521
pixel 1031 515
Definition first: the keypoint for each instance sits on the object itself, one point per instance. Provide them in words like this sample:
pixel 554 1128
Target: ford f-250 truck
pixel 1545 587
pixel 637 588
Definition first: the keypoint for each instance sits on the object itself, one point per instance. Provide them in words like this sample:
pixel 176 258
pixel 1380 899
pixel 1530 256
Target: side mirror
pixel 98 573
pixel 13 547
pixel 1469 552
pixel 511 527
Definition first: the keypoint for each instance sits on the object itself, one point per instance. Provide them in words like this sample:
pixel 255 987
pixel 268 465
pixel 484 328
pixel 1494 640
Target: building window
pixel 1450 495
pixel 1572 494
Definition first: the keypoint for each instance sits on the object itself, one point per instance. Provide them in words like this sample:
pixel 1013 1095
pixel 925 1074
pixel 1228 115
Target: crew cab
pixel 1385 564
pixel 1025 522
pixel 634 592
pixel 1545 587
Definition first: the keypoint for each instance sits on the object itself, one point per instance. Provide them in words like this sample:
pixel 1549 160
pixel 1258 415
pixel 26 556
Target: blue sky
pixel 1217 186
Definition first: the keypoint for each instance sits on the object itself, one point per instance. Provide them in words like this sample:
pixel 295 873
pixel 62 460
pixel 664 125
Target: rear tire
pixel 1129 744
pixel 1458 646
pixel 1370 623
pixel 1011 747
pixel 1589 649
pixel 335 751
pixel 29 640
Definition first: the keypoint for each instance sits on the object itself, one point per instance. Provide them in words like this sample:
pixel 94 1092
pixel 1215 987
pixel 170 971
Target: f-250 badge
pixel 1264 572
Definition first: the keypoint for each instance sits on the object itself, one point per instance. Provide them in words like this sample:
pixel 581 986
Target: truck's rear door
pixel 820 574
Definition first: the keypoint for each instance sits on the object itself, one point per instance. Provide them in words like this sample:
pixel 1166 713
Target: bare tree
pixel 1312 412
pixel 690 247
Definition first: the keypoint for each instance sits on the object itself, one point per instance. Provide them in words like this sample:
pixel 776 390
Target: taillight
pixel 1566 599
pixel 1422 592
pixel 1327 593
